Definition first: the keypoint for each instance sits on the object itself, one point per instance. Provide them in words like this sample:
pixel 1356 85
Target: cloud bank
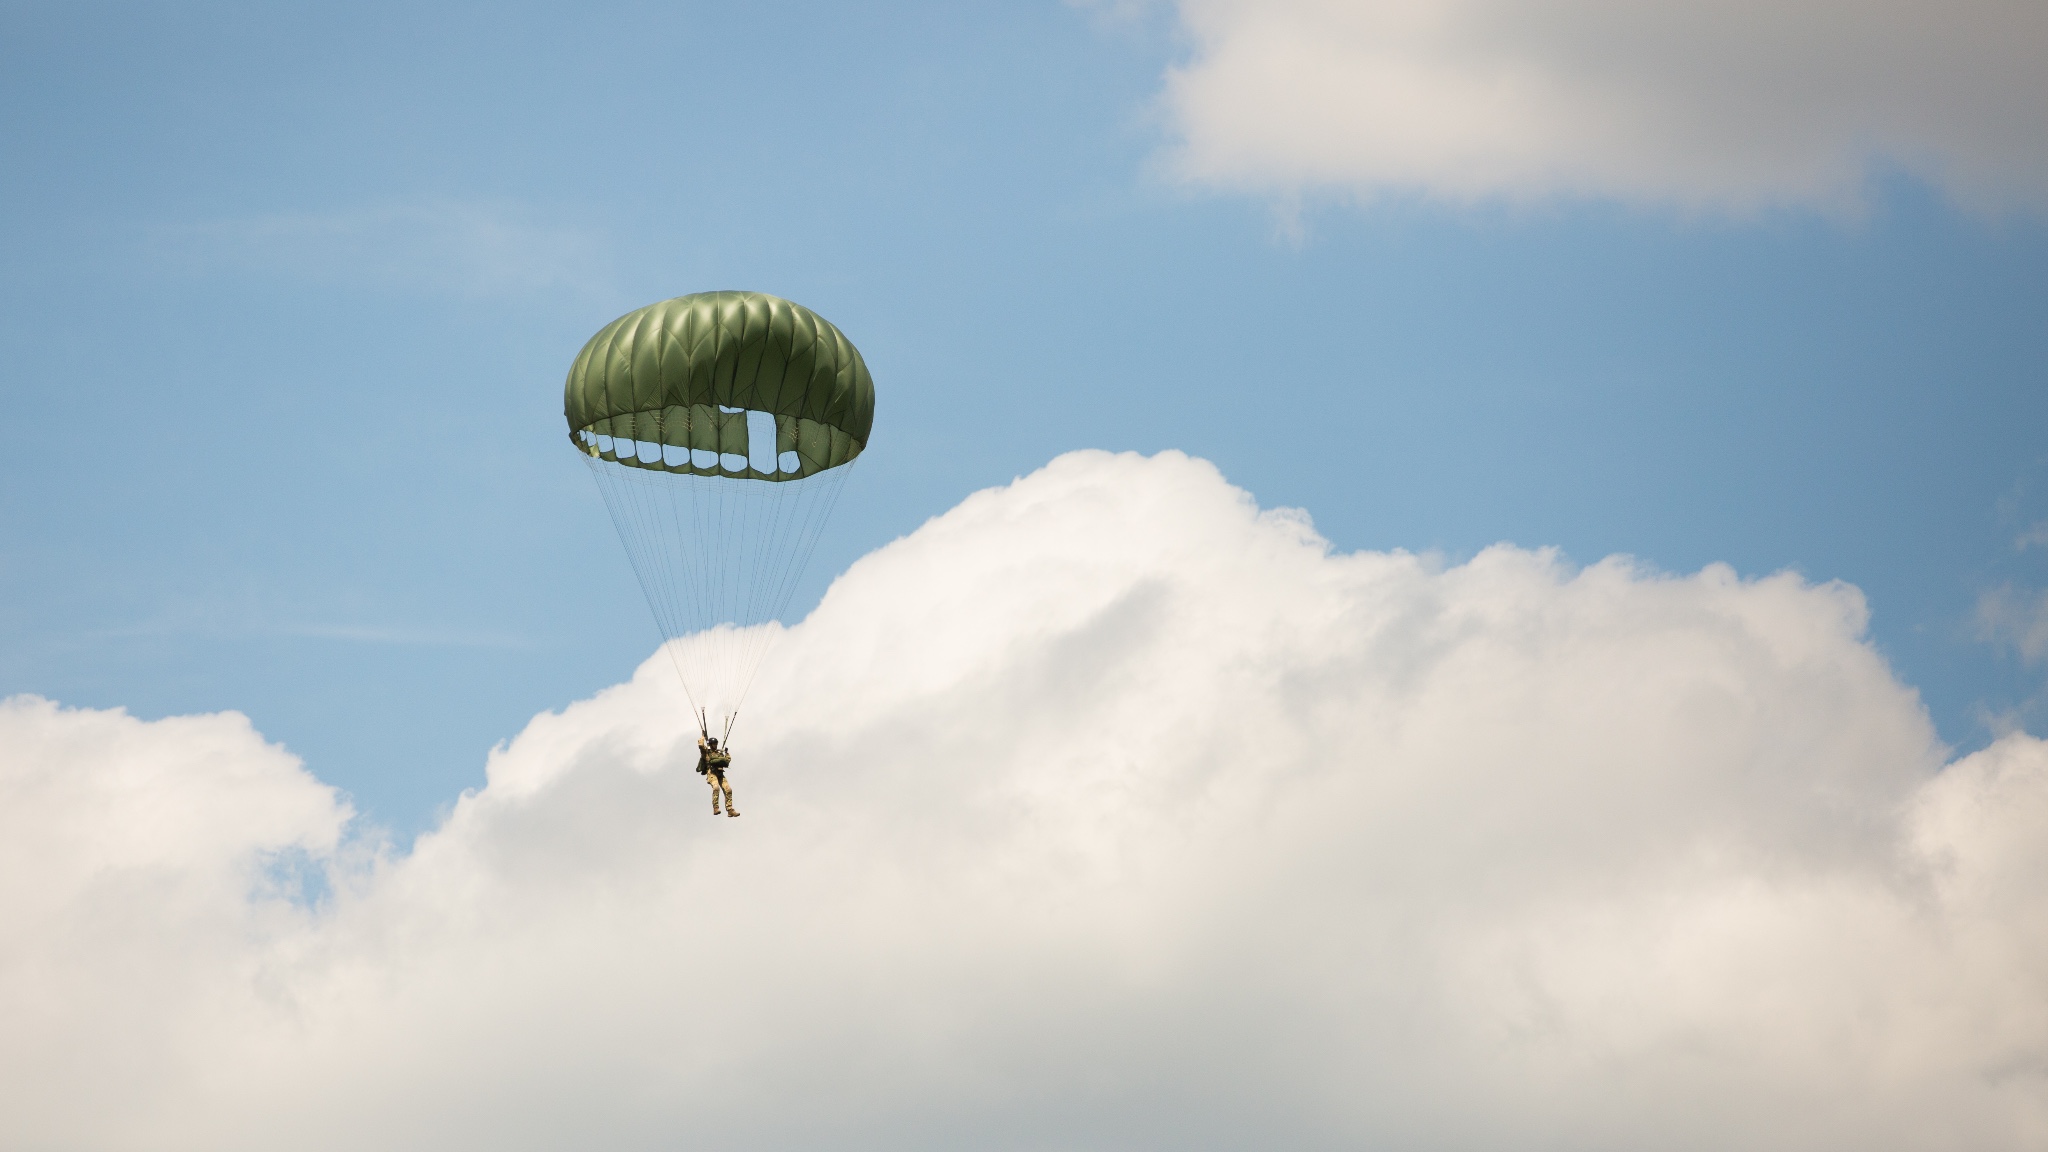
pixel 1106 810
pixel 1706 104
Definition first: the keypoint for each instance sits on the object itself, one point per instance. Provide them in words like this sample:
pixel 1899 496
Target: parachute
pixel 720 428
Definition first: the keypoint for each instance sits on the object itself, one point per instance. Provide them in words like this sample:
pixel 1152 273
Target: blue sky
pixel 287 296
pixel 1088 805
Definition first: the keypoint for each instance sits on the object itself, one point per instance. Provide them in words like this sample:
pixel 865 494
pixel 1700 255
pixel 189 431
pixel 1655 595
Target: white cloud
pixel 1103 811
pixel 139 906
pixel 1722 104
pixel 2015 616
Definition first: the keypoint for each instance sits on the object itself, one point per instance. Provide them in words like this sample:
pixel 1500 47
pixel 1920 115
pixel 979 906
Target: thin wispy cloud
pixel 420 637
pixel 242 623
pixel 468 249
pixel 2016 618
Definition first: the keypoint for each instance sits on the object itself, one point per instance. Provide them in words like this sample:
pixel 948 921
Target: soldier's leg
pixel 711 778
pixel 726 784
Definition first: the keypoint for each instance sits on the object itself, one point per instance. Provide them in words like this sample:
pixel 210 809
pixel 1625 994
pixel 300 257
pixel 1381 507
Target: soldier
pixel 712 762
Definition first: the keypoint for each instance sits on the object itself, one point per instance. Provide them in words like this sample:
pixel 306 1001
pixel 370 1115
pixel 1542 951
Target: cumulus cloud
pixel 1106 810
pixel 146 875
pixel 1719 104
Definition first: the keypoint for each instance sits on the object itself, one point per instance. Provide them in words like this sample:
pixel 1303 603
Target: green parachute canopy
pixel 682 409
pixel 668 388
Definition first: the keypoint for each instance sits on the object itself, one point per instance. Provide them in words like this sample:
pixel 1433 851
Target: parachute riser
pixel 704 726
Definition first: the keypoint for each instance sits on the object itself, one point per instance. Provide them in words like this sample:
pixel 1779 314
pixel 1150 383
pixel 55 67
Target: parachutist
pixel 712 762
pixel 719 427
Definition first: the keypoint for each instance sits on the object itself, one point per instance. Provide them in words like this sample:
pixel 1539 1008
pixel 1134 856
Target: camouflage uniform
pixel 711 764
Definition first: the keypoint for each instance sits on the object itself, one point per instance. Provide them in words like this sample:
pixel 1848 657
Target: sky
pixel 1484 560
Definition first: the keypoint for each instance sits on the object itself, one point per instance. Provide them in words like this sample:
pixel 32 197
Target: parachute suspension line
pixel 646 515
pixel 813 511
pixel 771 541
pixel 721 617
pixel 668 564
pixel 763 530
pixel 655 510
pixel 771 507
pixel 825 500
pixel 689 600
pixel 719 558
pixel 638 557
